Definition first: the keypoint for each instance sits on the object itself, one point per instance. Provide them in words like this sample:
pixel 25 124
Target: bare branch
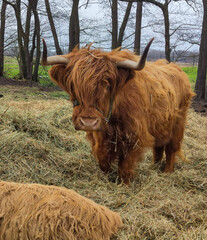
pixel 9 3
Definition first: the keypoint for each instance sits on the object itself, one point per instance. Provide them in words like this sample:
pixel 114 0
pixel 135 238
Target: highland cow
pixel 33 211
pixel 124 104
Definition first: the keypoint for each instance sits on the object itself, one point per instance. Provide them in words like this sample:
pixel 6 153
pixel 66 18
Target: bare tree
pixel 123 25
pixel 74 27
pixel 114 18
pixel 26 43
pixel 2 32
pixel 24 73
pixel 137 39
pixel 36 35
pixel 24 31
pixel 164 7
pixel 53 29
pixel 117 37
pixel 200 87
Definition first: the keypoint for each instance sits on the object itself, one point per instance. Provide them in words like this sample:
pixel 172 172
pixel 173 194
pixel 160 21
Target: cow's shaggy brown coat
pixel 149 106
pixel 33 211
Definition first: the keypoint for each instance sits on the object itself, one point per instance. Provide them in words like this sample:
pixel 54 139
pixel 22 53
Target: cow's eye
pixel 75 103
pixel 105 84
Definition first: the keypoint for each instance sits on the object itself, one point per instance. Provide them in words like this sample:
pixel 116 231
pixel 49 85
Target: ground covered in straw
pixel 38 144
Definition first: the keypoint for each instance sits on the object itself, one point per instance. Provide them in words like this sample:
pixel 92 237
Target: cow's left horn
pixel 46 61
pixel 136 65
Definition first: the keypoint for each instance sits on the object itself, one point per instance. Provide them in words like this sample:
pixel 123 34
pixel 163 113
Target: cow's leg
pixel 173 148
pixel 101 152
pixel 158 154
pixel 103 157
pixel 128 164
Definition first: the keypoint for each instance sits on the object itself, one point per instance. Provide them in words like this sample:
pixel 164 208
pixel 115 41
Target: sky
pixel 181 16
pixel 96 21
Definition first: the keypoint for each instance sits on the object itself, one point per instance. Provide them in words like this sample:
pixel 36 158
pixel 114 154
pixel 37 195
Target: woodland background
pixel 179 28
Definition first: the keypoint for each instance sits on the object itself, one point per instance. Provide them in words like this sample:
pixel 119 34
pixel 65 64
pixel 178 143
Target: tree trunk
pixel 114 15
pixel 2 31
pixel 23 39
pixel 26 43
pixel 124 23
pixel 167 31
pixel 74 28
pixel 77 26
pixel 137 40
pixel 52 25
pixel 37 34
pixel 22 63
pixel 200 87
pixel 164 8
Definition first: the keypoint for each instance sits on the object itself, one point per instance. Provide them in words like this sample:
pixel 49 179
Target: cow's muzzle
pixel 88 124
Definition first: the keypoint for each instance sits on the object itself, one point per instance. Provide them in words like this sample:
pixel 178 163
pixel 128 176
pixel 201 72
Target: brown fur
pixel 33 211
pixel 149 106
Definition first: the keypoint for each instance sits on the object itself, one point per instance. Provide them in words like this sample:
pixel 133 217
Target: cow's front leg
pixel 128 163
pixel 101 152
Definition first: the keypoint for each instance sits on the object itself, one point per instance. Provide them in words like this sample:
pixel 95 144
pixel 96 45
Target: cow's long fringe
pixel 33 211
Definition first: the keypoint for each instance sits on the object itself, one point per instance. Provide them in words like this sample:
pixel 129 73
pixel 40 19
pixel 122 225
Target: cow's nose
pixel 89 123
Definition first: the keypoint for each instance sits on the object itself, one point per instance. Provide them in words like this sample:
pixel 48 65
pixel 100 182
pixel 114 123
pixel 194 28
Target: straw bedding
pixel 38 143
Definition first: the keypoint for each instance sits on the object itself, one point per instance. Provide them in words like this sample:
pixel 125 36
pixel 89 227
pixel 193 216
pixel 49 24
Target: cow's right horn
pixel 136 65
pixel 46 61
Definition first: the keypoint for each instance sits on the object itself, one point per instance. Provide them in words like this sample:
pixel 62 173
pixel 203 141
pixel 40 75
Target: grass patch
pixel 59 94
pixel 192 75
pixel 10 60
pixel 11 67
pixel 45 82
pixel 38 143
pixel 191 72
pixel 11 70
pixel 26 94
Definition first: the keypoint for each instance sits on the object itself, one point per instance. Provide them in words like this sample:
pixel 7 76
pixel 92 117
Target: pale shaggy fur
pixel 33 211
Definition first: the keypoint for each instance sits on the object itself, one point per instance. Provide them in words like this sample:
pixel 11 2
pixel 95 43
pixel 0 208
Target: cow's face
pixel 92 79
pixel 91 106
pixel 91 82
pixel 92 85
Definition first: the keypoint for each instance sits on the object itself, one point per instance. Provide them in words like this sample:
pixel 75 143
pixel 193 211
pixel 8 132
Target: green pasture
pixel 11 70
pixel 191 72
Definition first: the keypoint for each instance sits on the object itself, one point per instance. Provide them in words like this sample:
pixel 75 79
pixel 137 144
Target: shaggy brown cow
pixel 124 105
pixel 40 212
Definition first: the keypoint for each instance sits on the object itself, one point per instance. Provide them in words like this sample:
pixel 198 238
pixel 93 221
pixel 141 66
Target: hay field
pixel 38 144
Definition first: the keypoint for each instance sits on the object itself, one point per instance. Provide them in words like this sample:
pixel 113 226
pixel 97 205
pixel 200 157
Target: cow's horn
pixel 136 65
pixel 46 61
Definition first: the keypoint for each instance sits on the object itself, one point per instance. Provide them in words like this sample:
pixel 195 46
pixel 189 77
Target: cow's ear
pixel 124 75
pixel 57 73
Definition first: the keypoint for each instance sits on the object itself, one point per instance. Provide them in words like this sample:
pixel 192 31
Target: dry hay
pixel 39 144
pixel 34 211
